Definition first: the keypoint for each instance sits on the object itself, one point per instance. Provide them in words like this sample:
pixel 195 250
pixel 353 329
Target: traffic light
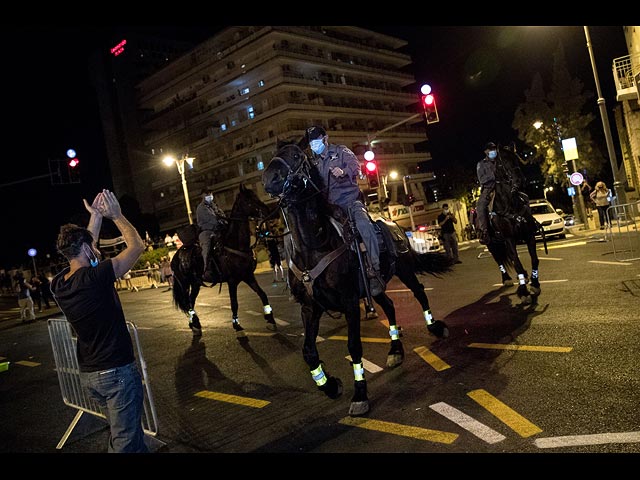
pixel 430 108
pixel 371 170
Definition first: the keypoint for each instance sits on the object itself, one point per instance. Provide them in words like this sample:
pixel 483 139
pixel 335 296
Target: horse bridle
pixel 299 171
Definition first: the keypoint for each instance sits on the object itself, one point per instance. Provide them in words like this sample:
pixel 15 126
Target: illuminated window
pixel 244 91
pixel 260 165
pixel 223 127
pixel 261 83
pixel 251 112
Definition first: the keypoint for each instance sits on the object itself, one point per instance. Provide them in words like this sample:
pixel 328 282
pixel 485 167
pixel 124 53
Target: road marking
pixel 367 365
pixel 3 358
pixel 555 281
pixel 470 424
pixel 573 244
pixel 27 363
pixel 431 358
pixel 405 290
pixel 254 313
pixel 609 263
pixel 399 429
pixel 593 439
pixel 282 323
pixel 363 339
pixel 225 397
pixel 528 348
pixel 505 414
pixel 259 334
pixel 550 258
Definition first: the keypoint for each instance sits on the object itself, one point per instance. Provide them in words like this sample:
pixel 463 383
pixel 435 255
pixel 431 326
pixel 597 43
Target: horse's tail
pixel 180 293
pixel 187 266
pixel 433 263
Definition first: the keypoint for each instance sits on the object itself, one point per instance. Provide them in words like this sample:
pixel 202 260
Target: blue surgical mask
pixel 317 146
pixel 492 154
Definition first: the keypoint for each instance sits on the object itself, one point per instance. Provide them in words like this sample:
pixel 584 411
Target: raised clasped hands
pixel 105 204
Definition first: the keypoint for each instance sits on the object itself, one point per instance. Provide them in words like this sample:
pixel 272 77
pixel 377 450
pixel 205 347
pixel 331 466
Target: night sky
pixel 479 75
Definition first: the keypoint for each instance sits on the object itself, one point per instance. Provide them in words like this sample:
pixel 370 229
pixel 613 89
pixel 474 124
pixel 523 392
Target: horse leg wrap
pixel 358 372
pixel 534 274
pixel 318 376
pixel 191 313
pixel 521 279
pixel 234 319
pixel 394 332
pixel 502 269
pixel 428 317
pixel 267 309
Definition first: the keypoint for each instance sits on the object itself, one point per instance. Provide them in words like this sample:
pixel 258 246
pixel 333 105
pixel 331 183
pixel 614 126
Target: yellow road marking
pixel 431 358
pixel 27 363
pixel 574 244
pixel 528 348
pixel 505 414
pixel 601 262
pixel 3 358
pixel 385 322
pixel 399 429
pixel 363 339
pixel 225 397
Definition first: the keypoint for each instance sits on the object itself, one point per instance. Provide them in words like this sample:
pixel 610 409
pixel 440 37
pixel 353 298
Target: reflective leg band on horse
pixel 358 371
pixel 267 309
pixel 534 274
pixel 318 376
pixel 394 333
pixel 521 279
pixel 428 317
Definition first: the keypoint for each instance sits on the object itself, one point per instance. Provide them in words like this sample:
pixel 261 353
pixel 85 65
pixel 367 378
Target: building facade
pixel 226 102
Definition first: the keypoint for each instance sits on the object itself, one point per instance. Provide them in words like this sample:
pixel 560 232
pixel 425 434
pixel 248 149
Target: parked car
pixel 551 221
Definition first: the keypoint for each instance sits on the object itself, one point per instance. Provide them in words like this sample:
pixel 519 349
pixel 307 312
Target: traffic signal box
pixel 371 171
pixel 430 108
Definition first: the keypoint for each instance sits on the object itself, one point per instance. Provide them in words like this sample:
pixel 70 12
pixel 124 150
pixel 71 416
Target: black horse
pixel 511 223
pixel 324 269
pixel 235 262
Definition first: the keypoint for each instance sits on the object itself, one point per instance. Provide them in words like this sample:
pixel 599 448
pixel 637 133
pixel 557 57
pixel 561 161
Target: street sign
pixel 576 178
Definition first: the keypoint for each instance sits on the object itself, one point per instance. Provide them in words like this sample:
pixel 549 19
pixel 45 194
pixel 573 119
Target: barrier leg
pixel 72 425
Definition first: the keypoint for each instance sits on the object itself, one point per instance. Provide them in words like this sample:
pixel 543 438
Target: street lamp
pixel 168 160
pixel 617 185
pixel 547 189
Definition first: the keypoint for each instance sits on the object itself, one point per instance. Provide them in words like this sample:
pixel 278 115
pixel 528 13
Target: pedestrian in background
pixel 25 301
pixel 86 295
pixel 601 196
pixel 446 220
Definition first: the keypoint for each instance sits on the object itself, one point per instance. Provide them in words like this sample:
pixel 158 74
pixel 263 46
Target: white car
pixel 551 221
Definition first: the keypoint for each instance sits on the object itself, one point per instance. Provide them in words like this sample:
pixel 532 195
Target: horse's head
pixel 288 171
pixel 249 205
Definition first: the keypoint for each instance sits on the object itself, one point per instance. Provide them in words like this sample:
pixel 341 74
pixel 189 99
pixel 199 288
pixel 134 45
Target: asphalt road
pixel 559 376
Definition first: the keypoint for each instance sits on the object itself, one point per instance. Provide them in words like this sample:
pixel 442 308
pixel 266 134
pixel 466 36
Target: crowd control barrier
pixel 625 237
pixel 75 395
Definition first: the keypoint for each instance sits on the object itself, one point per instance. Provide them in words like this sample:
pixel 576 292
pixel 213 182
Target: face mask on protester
pixel 317 146
pixel 492 154
pixel 208 198
pixel 446 210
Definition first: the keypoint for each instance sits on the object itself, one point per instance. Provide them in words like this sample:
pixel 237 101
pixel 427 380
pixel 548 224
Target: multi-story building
pixel 226 102
pixel 626 75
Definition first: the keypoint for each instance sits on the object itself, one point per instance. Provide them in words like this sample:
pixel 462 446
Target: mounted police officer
pixel 340 168
pixel 211 221
pixel 486 171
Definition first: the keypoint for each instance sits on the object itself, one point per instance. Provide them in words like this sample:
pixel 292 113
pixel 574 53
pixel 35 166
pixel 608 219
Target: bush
pixel 151 256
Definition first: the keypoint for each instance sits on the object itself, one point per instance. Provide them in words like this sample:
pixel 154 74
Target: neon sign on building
pixel 119 48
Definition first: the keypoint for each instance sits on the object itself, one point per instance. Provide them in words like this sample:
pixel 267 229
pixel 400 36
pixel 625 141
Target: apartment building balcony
pixel 626 74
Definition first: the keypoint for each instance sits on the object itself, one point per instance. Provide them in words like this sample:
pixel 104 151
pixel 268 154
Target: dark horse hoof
pixel 333 388
pixel 237 327
pixel 271 322
pixel 395 356
pixel 439 329
pixel 359 402
pixel 197 331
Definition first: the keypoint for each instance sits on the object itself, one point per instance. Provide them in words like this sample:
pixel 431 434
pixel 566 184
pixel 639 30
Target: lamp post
pixel 617 185
pixel 406 193
pixel 168 160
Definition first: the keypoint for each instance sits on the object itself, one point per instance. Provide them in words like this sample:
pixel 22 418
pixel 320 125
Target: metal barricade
pixel 625 239
pixel 74 394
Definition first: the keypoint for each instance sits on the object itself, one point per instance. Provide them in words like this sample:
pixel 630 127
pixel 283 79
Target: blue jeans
pixel 120 392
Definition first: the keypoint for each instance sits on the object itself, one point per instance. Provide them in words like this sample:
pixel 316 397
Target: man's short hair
pixel 71 238
pixel 207 190
pixel 445 205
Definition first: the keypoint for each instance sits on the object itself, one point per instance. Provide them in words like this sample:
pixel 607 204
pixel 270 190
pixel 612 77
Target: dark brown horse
pixel 324 268
pixel 234 263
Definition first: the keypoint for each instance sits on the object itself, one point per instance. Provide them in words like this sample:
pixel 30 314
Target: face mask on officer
pixel 492 154
pixel 208 198
pixel 317 146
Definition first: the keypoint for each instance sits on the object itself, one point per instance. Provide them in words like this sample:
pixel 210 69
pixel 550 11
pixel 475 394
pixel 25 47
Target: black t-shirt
pixel 91 304
pixel 446 227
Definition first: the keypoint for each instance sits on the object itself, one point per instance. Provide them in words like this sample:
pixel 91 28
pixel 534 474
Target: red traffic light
pixel 428 100
pixel 371 166
pixel 74 162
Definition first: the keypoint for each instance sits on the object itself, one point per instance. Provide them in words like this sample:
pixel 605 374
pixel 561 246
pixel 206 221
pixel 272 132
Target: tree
pixel 562 115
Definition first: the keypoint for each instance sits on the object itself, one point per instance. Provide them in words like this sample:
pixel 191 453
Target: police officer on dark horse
pixel 504 216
